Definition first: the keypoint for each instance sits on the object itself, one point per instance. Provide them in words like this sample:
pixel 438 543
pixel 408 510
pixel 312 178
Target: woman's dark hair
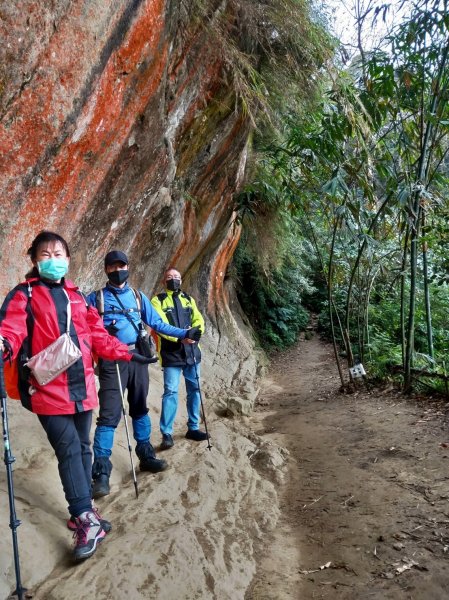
pixel 43 238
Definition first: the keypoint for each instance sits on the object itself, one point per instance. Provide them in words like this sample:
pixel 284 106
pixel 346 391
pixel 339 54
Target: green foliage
pixel 384 354
pixel 273 278
pixel 362 179
pixel 272 262
pixel 271 51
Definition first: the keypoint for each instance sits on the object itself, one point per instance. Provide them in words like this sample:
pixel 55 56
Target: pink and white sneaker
pixel 88 533
pixel 107 525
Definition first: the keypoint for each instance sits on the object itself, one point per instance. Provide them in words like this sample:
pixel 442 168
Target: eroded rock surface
pixel 119 128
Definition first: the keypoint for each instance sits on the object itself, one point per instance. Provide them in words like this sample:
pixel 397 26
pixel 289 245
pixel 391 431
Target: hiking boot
pixel 167 442
pixel 197 435
pixel 107 526
pixel 88 533
pixel 148 460
pixel 101 471
pixel 100 486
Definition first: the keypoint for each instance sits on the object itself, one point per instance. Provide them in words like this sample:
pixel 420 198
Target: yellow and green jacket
pixel 180 310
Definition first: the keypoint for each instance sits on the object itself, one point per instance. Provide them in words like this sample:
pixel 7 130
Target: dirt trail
pixel 364 508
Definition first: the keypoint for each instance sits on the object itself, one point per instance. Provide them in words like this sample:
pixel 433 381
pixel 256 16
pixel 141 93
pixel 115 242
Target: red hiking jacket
pixel 31 324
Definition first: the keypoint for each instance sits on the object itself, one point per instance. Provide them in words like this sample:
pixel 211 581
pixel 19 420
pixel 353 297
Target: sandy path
pixel 364 490
pixel 367 489
pixel 191 534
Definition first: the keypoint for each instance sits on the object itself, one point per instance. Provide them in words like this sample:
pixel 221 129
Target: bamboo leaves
pixel 380 154
pixel 364 179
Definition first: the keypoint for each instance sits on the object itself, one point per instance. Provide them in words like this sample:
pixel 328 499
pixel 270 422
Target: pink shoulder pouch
pixel 56 358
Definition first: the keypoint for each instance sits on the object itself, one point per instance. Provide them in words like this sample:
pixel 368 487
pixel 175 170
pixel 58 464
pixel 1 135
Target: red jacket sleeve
pixel 13 317
pixel 104 345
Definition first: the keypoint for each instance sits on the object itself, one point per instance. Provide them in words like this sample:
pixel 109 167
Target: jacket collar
pixel 116 290
pixel 67 283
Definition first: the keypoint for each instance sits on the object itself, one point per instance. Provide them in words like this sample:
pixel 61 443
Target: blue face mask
pixel 53 268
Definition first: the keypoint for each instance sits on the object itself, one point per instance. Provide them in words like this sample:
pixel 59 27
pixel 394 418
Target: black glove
pixel 142 360
pixel 7 350
pixel 194 334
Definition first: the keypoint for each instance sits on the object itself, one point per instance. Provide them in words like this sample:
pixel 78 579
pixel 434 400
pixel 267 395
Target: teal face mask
pixel 53 268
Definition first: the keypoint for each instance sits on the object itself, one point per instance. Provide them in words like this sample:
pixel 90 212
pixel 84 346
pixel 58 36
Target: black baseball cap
pixel 115 256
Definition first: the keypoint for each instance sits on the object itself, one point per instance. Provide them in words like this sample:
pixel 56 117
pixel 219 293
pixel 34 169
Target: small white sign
pixel 357 371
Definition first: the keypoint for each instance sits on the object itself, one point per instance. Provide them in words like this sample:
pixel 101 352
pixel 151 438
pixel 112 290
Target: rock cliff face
pixel 118 129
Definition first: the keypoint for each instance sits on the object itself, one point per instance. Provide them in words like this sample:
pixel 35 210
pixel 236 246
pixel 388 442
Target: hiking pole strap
pixel 127 430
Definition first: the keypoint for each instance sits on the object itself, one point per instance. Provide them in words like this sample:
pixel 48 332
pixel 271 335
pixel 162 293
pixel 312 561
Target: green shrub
pixel 271 288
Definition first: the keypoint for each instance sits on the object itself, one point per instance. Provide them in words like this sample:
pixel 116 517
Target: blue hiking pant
pixel 172 376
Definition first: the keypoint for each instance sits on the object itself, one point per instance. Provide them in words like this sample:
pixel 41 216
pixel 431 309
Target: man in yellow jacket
pixel 179 309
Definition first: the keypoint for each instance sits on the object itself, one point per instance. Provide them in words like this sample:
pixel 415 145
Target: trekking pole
pixel 201 397
pixel 127 430
pixel 9 459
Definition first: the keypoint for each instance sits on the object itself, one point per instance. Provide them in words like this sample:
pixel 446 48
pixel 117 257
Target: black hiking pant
pixel 135 378
pixel 69 438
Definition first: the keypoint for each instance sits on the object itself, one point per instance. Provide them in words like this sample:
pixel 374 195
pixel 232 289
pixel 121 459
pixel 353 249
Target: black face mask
pixel 174 285
pixel 118 277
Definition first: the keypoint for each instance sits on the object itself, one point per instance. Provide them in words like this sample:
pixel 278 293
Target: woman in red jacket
pixel 33 315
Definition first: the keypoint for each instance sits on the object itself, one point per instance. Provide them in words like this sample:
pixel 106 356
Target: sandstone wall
pixel 119 128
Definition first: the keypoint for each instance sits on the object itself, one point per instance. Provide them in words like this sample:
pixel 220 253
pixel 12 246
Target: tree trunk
pixel 330 299
pixel 359 257
pixel 430 349
pixel 410 332
pixel 402 308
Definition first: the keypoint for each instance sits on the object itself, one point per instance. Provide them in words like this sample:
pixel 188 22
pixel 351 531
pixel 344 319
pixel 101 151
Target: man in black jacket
pixel 179 309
